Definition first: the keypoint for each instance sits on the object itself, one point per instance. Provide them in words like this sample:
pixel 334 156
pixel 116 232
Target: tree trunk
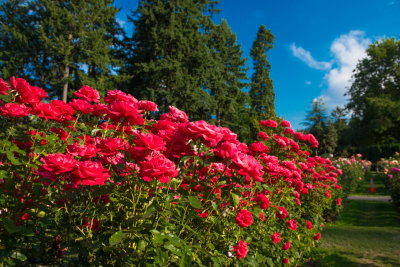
pixel 65 87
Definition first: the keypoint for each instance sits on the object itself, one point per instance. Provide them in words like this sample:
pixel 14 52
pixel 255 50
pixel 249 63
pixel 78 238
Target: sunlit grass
pixel 367 233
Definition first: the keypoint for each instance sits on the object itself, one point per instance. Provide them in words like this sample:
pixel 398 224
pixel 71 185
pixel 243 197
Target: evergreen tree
pixel 261 87
pixel 227 78
pixel 170 61
pixel 318 124
pixel 70 43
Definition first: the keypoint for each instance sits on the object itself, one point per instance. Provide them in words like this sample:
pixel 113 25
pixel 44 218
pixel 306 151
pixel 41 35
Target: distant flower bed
pixel 353 173
pixel 390 169
pixel 98 182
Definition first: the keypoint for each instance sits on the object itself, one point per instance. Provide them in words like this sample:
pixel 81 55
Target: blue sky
pixel 317 43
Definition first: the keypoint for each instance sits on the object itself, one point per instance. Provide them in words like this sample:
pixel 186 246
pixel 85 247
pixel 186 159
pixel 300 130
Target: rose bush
pixel 390 171
pixel 100 182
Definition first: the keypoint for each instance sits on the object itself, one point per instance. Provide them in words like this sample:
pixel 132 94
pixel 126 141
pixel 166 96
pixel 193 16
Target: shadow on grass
pixel 369 213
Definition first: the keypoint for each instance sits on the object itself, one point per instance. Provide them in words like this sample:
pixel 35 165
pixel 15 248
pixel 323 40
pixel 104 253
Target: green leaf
pixel 270 262
pixel 116 238
pixel 186 260
pixel 195 202
pixel 18 256
pixel 142 245
pixel 235 199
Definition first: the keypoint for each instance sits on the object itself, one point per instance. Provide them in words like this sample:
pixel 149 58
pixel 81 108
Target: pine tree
pixel 318 124
pixel 170 60
pixel 228 77
pixel 261 87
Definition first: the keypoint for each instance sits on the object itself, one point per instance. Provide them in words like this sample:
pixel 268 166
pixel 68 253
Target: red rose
pixel 82 106
pixel 292 224
pixel 145 145
pixel 263 201
pixel 175 115
pixel 147 105
pixel 285 261
pixel 338 201
pixel 128 111
pixel 263 136
pixel 285 124
pixel 25 217
pixel 117 95
pixel 276 237
pixel 309 225
pixel 93 224
pixel 58 163
pixel 211 134
pixel 244 218
pixel 13 110
pixel 286 246
pixel 282 213
pixel 109 146
pixel 158 167
pixel 87 93
pixel 317 236
pixel 269 123
pixel 90 173
pixel 3 87
pixel 241 249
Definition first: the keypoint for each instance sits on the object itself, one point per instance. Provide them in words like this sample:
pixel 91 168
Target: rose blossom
pixel 90 173
pixel 276 237
pixel 13 110
pixel 286 246
pixel 263 201
pixel 158 167
pixel 241 249
pixel 282 213
pixel 317 236
pixel 58 163
pixel 309 225
pixel 292 224
pixel 244 218
pixel 88 93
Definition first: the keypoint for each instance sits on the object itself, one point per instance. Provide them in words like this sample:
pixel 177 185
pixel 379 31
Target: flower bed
pixel 390 170
pixel 103 183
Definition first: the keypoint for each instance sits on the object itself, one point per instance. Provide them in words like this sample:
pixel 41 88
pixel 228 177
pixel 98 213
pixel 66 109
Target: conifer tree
pixel 228 77
pixel 261 88
pixel 170 60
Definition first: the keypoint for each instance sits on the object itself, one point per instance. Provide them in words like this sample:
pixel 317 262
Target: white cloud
pixel 308 82
pixel 305 56
pixel 121 22
pixel 347 50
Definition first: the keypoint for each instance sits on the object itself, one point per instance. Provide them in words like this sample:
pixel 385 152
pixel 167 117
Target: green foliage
pixel 170 60
pixel 374 95
pixel 261 88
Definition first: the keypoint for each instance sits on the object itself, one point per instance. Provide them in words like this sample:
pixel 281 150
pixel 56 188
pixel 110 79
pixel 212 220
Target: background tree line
pixel 370 122
pixel 176 56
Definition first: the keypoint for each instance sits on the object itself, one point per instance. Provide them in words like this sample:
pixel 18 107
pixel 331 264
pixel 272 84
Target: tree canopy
pixel 375 94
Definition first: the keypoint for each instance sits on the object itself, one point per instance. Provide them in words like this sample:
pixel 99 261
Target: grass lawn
pixel 378 184
pixel 367 233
